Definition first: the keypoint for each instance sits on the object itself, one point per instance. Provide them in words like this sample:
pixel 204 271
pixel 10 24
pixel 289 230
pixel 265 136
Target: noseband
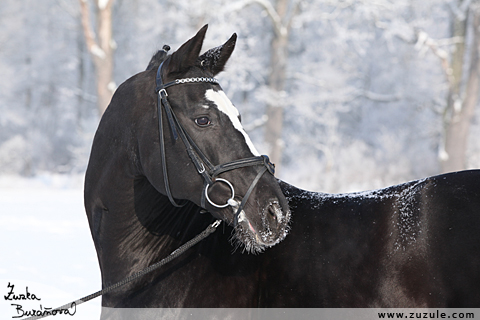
pixel 204 167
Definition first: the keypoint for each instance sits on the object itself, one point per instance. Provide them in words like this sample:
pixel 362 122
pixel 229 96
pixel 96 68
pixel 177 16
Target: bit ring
pixel 228 201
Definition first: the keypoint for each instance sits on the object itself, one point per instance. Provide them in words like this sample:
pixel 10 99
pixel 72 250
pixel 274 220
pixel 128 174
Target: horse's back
pixel 412 245
pixel 452 205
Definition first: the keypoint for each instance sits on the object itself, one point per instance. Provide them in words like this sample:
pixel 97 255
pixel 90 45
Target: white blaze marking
pixel 225 105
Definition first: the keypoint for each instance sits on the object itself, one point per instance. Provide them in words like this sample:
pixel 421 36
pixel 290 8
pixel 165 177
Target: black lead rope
pixel 209 230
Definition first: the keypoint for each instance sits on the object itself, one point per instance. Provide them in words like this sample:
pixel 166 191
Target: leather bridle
pixel 204 167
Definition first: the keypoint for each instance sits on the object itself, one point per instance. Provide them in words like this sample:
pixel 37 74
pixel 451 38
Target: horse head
pixel 205 154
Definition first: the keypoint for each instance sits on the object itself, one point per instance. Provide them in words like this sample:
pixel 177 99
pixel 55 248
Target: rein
pixel 205 233
pixel 204 167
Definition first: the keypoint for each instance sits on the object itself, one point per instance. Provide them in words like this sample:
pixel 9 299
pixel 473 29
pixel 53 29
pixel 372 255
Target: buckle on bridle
pixel 201 170
pixel 268 164
pixel 164 91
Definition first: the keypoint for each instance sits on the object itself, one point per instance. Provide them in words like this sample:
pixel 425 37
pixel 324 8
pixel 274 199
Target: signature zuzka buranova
pixel 29 296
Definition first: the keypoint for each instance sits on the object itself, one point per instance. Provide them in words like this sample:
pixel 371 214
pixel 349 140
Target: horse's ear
pixel 215 59
pixel 187 54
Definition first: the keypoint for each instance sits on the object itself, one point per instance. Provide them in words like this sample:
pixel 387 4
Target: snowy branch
pixel 381 97
pixel 460 11
pixel 424 42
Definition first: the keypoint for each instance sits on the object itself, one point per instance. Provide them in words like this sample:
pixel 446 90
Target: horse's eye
pixel 202 121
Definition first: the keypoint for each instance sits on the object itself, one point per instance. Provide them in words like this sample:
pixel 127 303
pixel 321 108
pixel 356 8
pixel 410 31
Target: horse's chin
pixel 256 241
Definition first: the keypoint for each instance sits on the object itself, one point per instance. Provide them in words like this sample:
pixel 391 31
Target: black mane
pixel 158 58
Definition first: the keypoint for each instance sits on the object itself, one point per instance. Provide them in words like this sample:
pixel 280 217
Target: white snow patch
pixel 97 51
pixel 102 4
pixel 46 244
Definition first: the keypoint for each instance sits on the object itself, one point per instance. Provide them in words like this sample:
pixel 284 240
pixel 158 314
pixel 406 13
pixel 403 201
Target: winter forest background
pixel 344 95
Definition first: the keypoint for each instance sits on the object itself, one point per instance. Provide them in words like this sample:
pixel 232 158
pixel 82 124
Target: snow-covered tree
pixel 101 46
pixel 362 86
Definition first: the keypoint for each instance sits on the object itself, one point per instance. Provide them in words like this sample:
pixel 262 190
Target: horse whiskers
pixel 247 240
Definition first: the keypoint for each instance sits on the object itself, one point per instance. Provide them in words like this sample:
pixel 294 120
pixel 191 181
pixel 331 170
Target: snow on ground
pixel 45 245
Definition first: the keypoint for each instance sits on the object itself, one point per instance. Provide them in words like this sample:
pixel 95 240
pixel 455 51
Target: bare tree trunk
pixel 100 46
pixel 281 14
pixel 461 107
pixel 276 84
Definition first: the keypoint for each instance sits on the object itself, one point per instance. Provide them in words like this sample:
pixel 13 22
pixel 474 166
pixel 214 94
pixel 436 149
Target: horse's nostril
pixel 271 211
pixel 274 211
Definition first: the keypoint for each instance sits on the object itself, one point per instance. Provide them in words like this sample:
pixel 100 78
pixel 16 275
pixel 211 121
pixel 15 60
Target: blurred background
pixel 343 94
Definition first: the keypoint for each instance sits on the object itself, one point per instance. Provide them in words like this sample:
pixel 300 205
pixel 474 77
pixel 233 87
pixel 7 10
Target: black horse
pixel 411 245
pixel 138 170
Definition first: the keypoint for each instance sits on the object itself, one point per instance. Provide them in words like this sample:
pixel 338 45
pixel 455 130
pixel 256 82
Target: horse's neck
pixel 161 220
pixel 144 228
